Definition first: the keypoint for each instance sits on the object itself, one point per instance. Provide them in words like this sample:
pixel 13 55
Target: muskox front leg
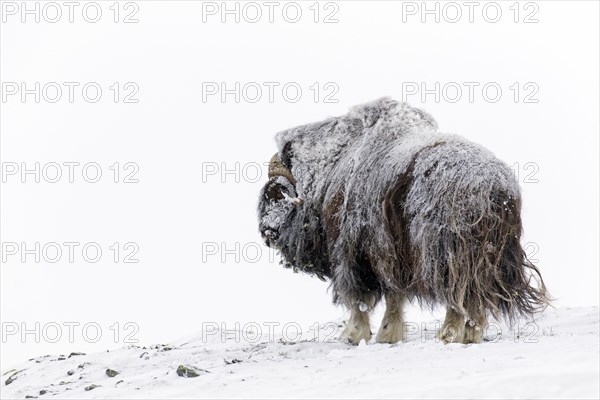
pixel 358 326
pixel 453 330
pixel 392 325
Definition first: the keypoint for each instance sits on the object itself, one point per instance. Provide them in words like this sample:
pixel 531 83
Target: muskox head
pixel 290 224
pixel 278 199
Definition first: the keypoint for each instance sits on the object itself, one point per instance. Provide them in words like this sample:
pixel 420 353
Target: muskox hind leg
pixel 358 326
pixel 453 329
pixel 474 327
pixel 392 325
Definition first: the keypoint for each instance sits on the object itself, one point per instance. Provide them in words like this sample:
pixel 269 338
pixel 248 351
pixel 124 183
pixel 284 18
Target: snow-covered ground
pixel 557 357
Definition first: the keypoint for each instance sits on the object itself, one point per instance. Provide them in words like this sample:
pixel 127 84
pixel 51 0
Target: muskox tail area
pixel 465 229
pixel 487 267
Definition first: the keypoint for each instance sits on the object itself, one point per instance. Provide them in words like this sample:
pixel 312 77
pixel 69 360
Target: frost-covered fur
pixel 392 206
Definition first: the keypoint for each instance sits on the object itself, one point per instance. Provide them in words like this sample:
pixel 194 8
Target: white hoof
pixel 392 326
pixel 474 331
pixel 391 332
pixel 453 330
pixel 451 333
pixel 354 333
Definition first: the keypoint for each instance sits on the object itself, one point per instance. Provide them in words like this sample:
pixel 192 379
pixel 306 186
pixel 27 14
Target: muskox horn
pixel 276 168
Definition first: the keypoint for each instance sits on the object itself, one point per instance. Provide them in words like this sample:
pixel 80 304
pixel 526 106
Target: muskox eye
pixel 274 192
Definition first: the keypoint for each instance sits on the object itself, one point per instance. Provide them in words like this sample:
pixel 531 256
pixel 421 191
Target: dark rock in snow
pixel 12 377
pixel 111 373
pixel 188 371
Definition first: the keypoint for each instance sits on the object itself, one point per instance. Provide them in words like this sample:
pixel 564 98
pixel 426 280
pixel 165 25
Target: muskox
pixel 382 205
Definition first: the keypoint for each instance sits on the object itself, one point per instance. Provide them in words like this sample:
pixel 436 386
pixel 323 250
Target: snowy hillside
pixel 556 357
